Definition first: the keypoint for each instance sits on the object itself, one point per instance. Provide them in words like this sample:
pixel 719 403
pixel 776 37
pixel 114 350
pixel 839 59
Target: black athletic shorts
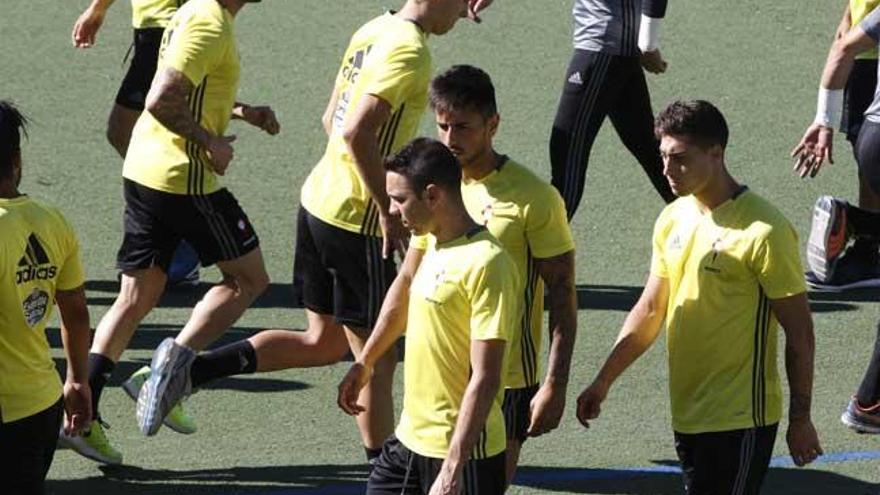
pixel 134 88
pixel 27 447
pixel 517 411
pixel 339 273
pixel 154 223
pixel 868 154
pixel 725 462
pixel 858 95
pixel 400 471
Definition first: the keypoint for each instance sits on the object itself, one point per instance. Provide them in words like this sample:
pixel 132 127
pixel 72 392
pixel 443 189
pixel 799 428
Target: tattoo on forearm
pixel 170 106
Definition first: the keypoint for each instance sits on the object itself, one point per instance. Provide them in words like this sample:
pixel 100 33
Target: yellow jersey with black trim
pixel 527 215
pixel 200 43
pixel 39 254
pixel 153 13
pixel 388 58
pixel 858 10
pixel 464 290
pixel 723 268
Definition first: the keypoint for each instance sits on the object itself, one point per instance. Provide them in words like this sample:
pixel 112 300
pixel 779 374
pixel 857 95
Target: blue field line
pixel 586 474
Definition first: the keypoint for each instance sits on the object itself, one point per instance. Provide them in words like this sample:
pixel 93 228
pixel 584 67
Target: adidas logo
pixel 575 78
pixel 31 264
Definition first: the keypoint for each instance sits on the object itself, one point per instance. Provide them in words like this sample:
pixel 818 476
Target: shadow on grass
pixel 245 383
pixel 268 480
pixel 666 480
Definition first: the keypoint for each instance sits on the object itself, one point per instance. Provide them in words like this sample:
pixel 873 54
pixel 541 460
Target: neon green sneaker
pixel 93 444
pixel 177 419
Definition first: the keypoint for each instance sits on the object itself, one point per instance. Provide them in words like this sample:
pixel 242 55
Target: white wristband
pixel 649 33
pixel 829 107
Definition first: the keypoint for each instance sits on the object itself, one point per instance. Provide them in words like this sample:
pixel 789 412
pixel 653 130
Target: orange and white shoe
pixel 828 237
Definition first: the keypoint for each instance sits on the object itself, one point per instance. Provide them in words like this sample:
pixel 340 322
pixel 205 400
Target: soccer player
pixel 39 259
pixel 149 18
pixel 528 218
pixel 458 301
pixel 605 78
pixel 725 273
pixel 345 240
pixel 835 220
pixel 172 192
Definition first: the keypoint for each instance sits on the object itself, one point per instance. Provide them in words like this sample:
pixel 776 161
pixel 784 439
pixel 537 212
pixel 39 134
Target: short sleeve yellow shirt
pixel 153 13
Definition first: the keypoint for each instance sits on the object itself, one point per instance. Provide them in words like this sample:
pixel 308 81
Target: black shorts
pixel 154 223
pixel 28 447
pixel 339 273
pixel 729 462
pixel 134 88
pixel 858 95
pixel 400 471
pixel 517 411
pixel 868 154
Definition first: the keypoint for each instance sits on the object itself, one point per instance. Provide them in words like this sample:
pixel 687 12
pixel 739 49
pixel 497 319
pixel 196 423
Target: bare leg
pixel 323 343
pixel 119 125
pixel 244 279
pixel 512 455
pixel 376 423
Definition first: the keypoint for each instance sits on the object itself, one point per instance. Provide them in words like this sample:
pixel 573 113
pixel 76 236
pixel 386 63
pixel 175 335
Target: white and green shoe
pixel 177 419
pixel 93 444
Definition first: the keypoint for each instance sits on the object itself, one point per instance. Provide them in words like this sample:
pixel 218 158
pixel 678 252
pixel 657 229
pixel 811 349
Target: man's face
pixel 412 208
pixel 447 13
pixel 466 133
pixel 689 167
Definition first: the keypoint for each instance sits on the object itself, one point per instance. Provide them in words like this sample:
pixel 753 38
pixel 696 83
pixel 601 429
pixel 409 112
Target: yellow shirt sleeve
pixel 194 47
pixel 419 242
pixel 777 263
pixel 71 274
pixel 492 296
pixel 658 261
pixel 547 228
pixel 392 78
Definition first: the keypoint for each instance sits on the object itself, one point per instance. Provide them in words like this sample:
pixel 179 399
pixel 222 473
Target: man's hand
pixel 812 150
pixel 590 401
pixel 86 28
pixel 653 62
pixel 262 117
pixel 448 482
pixel 220 152
pixel 350 388
pixel 546 409
pixel 395 237
pixel 77 407
pixel 803 442
pixel 474 8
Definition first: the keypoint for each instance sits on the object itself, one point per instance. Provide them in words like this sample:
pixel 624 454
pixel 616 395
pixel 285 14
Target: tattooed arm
pixel 168 102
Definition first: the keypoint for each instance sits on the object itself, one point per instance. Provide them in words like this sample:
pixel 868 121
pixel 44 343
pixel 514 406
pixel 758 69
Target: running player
pixel 39 267
pixel 172 192
pixel 149 18
pixel 725 273
pixel 835 220
pixel 605 77
pixel 345 241
pixel 458 301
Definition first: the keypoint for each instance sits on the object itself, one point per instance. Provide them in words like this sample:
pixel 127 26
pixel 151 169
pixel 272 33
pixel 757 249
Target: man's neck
pixel 233 6
pixel 417 13
pixel 453 223
pixel 483 165
pixel 717 192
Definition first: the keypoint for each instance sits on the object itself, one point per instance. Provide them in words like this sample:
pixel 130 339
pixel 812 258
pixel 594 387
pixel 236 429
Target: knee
pixel 254 283
pixel 117 139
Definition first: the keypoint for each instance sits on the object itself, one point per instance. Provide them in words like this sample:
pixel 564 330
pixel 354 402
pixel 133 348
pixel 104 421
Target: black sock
pixel 869 391
pixel 372 454
pixel 233 359
pixel 100 369
pixel 867 247
pixel 865 223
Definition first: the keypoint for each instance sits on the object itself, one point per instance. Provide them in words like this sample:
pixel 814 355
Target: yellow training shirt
pixel 527 215
pixel 200 43
pixel 153 13
pixel 39 254
pixel 464 290
pixel 858 9
pixel 722 267
pixel 387 57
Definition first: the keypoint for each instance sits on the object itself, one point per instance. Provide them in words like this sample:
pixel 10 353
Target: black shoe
pixel 855 269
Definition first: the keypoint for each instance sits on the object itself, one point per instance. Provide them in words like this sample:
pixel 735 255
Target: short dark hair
pixel 463 87
pixel 12 125
pixel 697 120
pixel 425 161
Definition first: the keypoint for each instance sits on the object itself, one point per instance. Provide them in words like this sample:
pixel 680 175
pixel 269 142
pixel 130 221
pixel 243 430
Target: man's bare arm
pixel 76 336
pixel 168 102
